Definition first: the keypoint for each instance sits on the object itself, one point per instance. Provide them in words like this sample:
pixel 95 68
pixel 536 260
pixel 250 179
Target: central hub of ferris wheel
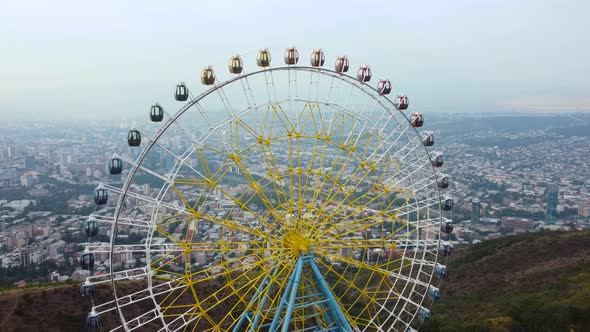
pixel 297 244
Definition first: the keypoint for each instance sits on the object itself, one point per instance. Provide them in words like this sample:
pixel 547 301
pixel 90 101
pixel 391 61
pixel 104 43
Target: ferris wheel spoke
pixel 333 191
pixel 258 302
pixel 352 243
pixel 140 296
pixel 233 224
pixel 364 124
pixel 353 202
pixel 225 101
pixel 134 273
pixel 159 145
pixel 416 207
pixel 409 169
pixel 180 321
pixel 394 144
pixel 393 273
pixel 121 221
pixel 273 172
pixel 214 128
pixel 144 169
pixel 350 293
pixel 416 186
pixel 142 198
pixel 143 319
pixel 247 90
pixel 133 248
pixel 226 268
pixel 274 177
pixel 228 291
pixel 258 191
pixel 271 90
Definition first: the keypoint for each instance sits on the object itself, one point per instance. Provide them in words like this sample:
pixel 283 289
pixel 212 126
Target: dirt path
pixel 11 311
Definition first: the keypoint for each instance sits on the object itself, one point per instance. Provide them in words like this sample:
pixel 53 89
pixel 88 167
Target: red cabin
pixel 402 102
pixel 318 58
pixel 384 87
pixel 417 119
pixel 291 56
pixel 341 64
pixel 364 74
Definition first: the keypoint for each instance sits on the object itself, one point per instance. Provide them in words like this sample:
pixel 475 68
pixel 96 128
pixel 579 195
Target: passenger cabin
pixel 93 323
pixel 440 271
pixel 384 87
pixel 181 92
pixel 156 113
pixel 87 261
pixel 417 120
pixel 364 74
pixel 101 196
pixel 437 161
pixel 444 182
pixel 263 59
pixel 236 66
pixel 424 314
pixel 447 227
pixel 342 64
pixel 87 290
pixel 429 140
pixel 448 204
pixel 318 58
pixel 402 102
pixel 291 56
pixel 115 166
pixel 134 137
pixel 208 76
pixel 90 228
pixel 433 293
pixel 447 250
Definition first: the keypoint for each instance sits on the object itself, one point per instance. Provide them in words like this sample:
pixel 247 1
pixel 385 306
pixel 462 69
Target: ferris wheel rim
pixel 365 88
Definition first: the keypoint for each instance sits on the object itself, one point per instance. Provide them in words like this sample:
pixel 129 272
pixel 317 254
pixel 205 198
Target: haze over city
pixel 66 60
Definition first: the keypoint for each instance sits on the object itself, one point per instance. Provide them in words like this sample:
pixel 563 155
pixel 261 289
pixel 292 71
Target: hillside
pixel 530 282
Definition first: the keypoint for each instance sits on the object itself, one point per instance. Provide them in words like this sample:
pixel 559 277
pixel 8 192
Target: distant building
pixel 32 255
pixel 29 162
pixel 475 210
pixel 552 195
pixel 518 224
pixel 26 180
pixel 9 177
pixel 489 221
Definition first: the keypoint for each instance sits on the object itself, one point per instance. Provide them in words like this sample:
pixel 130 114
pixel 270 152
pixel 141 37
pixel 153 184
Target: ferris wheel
pixel 288 198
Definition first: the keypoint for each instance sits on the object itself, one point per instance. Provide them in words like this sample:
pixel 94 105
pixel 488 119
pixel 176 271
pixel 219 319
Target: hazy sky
pixel 99 59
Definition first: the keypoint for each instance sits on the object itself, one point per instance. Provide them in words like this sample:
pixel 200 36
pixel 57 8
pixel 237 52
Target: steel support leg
pixel 296 274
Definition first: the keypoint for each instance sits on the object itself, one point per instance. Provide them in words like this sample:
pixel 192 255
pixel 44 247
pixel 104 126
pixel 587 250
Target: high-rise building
pixel 29 162
pixel 475 209
pixel 26 180
pixel 552 195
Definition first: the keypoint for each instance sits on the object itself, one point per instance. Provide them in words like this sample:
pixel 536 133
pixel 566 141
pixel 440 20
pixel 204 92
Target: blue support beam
pixel 317 294
pixel 246 315
pixel 284 299
pixel 293 296
pixel 327 292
